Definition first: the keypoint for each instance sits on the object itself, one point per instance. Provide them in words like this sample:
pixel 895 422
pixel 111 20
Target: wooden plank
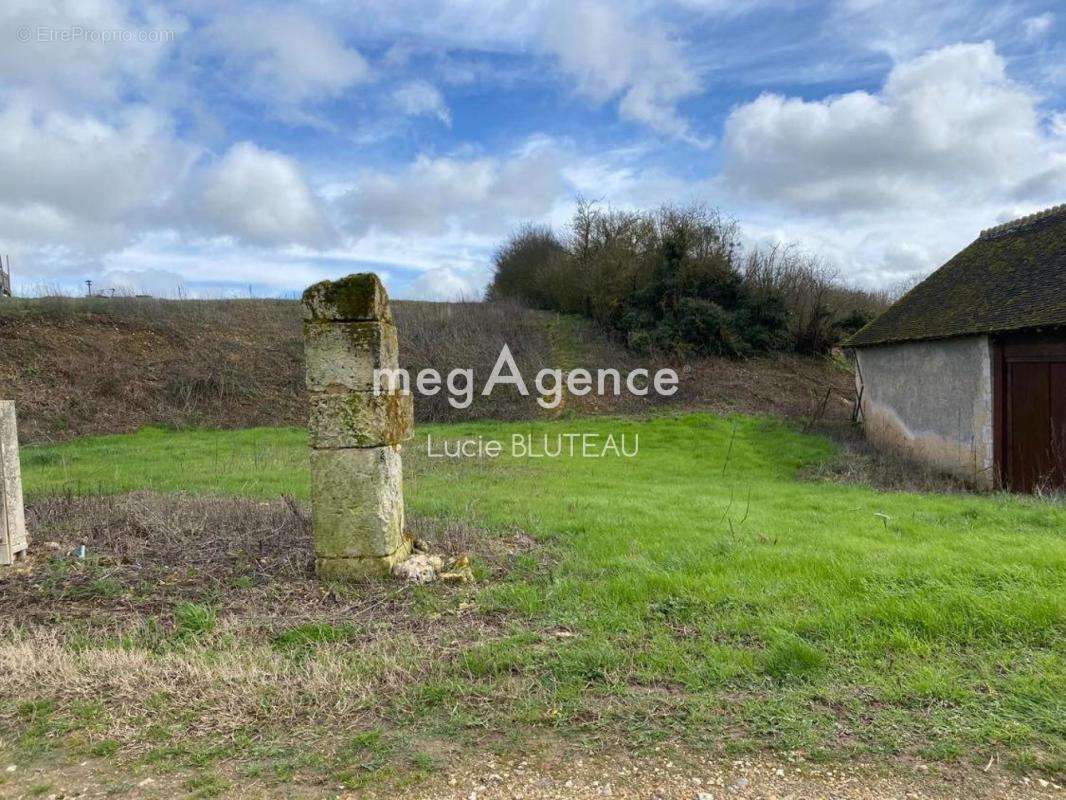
pixel 1057 406
pixel 1030 432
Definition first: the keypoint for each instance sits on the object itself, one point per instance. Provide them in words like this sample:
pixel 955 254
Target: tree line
pixel 676 280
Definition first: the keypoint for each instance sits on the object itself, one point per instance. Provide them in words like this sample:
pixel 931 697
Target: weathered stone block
pixel 354 569
pixel 360 419
pixel 12 514
pixel 357 502
pixel 356 298
pixel 345 354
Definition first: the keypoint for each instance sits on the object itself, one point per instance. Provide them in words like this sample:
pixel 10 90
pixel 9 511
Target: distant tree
pixel 524 267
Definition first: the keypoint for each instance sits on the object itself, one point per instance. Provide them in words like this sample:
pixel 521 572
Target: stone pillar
pixel 12 514
pixel 355 434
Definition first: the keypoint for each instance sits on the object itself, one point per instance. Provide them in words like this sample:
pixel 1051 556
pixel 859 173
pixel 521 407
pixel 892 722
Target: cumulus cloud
pixel 417 98
pixel 614 56
pixel 482 194
pixel 85 66
pixel 102 145
pixel 284 57
pixel 82 182
pixel 945 125
pixel 259 197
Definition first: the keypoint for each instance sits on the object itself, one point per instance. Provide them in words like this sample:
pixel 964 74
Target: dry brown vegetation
pixel 146 626
pixel 147 553
pixel 857 462
pixel 92 366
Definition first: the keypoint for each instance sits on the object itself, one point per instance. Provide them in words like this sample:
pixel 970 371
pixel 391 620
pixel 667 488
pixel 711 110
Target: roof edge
pixel 1023 223
pixel 1051 326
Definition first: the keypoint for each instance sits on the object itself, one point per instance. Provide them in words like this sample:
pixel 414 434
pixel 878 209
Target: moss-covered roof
pixel 1012 277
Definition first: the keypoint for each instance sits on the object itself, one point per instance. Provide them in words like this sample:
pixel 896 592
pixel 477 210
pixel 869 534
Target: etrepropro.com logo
pixel 76 34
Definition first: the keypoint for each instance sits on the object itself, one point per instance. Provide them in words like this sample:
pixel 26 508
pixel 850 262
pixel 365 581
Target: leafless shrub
pixel 675 279
pixel 821 306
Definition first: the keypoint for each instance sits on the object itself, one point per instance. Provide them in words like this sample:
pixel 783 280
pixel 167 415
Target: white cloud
pixel 443 284
pixel 417 98
pixel 481 194
pixel 102 144
pixel 947 126
pixel 59 49
pixel 904 29
pixel 612 56
pixel 608 50
pixel 213 267
pixel 284 58
pixel 1038 27
pixel 156 282
pixel 81 182
pixel 259 197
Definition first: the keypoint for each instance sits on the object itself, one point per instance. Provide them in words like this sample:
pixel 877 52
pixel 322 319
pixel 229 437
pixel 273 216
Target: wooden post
pixel 12 514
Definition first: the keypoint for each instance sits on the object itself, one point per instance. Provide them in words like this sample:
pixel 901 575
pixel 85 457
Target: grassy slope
pixel 93 366
pixel 714 598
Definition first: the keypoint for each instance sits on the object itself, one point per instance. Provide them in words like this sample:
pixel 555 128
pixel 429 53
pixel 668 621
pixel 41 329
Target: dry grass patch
pixel 199 618
pixel 859 463
pixel 145 553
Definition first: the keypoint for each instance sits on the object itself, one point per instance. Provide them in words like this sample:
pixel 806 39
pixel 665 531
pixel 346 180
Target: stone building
pixel 967 371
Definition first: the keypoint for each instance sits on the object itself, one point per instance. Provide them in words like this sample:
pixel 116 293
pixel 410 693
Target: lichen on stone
pixel 356 297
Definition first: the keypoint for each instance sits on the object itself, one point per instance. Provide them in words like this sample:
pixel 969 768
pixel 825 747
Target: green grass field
pixel 699 593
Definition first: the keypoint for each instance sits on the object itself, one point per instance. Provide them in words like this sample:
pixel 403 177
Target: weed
pixel 312 634
pixel 206 785
pixel 104 749
pixel 790 658
pixel 194 619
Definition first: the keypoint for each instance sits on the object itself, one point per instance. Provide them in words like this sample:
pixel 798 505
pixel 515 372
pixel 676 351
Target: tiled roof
pixel 1012 277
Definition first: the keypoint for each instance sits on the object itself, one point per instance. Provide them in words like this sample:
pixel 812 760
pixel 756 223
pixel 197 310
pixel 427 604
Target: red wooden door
pixel 1036 425
pixel 1058 422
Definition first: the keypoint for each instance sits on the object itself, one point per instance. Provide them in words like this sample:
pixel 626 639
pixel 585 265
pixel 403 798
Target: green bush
pixel 673 281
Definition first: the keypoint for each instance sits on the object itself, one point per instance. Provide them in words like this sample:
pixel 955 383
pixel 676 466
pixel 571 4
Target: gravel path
pixel 580 777
pixel 716 779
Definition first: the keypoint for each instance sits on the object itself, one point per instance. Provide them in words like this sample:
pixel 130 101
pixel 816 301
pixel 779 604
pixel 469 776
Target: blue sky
pixel 221 149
